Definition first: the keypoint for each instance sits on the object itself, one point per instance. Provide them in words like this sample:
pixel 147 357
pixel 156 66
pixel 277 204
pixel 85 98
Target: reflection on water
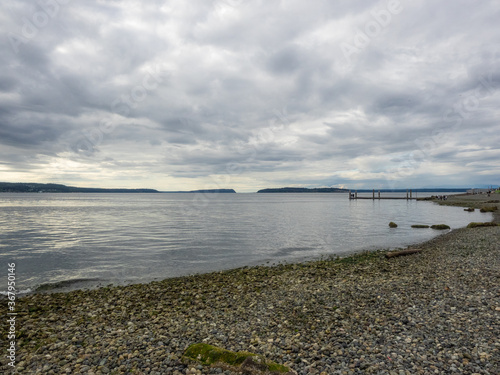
pixel 123 238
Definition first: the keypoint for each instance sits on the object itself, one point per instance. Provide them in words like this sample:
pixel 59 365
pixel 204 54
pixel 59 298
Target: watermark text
pixel 11 314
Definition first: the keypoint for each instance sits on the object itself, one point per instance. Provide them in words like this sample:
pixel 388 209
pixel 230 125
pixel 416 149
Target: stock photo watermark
pixel 265 135
pixel 122 106
pixel 457 114
pixel 277 123
pixel 31 26
pixel 464 108
pixel 380 19
pixel 231 3
pixel 11 314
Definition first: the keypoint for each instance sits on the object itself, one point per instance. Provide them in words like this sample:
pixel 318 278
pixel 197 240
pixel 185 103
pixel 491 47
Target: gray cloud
pixel 175 95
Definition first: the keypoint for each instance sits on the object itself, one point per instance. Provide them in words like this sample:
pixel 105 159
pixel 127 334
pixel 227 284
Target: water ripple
pixel 124 238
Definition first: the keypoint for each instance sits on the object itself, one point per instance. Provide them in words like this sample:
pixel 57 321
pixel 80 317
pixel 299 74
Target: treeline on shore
pixel 21 187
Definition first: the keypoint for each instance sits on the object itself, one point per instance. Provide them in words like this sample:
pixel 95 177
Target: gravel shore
pixel 476 201
pixel 435 312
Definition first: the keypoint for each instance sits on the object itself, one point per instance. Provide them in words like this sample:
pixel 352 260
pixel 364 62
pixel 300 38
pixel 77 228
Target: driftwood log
pixel 393 254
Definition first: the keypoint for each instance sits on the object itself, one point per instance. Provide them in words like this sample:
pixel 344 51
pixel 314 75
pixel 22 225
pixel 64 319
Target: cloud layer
pixel 250 94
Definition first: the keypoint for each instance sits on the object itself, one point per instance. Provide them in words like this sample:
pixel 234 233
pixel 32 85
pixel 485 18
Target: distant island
pixel 23 187
pixel 20 187
pixel 204 191
pixel 303 190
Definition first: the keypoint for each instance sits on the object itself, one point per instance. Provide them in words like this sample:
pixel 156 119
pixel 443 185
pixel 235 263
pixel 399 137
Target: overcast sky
pixel 250 94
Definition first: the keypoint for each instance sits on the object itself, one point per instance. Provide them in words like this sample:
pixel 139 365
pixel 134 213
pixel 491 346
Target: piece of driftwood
pixel 393 254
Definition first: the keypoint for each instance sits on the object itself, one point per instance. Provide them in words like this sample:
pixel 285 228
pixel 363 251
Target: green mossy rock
pixel 393 225
pixel 440 226
pixel 249 363
pixel 487 224
pixel 419 226
pixel 488 209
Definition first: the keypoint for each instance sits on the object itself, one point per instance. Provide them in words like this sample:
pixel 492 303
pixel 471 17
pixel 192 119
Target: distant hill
pixel 20 187
pixel 303 190
pixel 204 191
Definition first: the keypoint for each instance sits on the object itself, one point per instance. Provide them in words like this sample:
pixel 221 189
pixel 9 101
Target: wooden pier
pixel 354 196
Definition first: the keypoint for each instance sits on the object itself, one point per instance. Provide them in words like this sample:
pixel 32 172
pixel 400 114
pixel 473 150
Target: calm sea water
pixel 86 240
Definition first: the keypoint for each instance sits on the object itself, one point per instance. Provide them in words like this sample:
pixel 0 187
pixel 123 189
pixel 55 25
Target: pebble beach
pixel 433 312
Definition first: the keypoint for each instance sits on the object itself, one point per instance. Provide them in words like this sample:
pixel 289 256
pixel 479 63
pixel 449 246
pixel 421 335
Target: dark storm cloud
pixel 292 92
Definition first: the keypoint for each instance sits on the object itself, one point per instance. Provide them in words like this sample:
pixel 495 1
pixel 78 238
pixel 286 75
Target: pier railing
pixel 354 195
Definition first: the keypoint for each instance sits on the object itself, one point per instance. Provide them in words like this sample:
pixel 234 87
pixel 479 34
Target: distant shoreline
pixel 21 187
pixel 28 187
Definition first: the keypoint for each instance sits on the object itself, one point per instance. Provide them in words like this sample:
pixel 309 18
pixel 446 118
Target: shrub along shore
pixel 436 311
